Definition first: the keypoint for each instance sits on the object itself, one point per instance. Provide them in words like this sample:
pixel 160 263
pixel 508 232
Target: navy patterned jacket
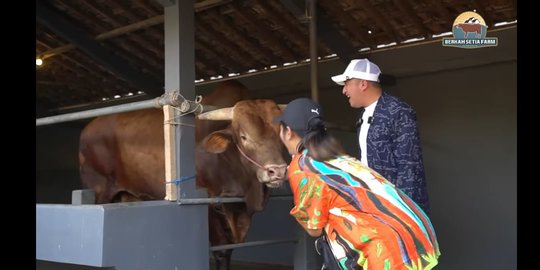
pixel 393 148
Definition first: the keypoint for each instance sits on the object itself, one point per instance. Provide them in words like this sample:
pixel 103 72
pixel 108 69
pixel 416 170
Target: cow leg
pixel 94 180
pixel 222 259
pixel 219 234
pixel 124 196
pixel 238 219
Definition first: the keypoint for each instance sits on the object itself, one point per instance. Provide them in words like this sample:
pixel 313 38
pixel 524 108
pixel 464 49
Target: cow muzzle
pixel 273 175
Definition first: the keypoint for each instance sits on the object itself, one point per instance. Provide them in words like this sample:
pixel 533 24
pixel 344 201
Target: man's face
pixel 354 91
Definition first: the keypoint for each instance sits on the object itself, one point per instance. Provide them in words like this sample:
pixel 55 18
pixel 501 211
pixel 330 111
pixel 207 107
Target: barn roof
pixel 233 37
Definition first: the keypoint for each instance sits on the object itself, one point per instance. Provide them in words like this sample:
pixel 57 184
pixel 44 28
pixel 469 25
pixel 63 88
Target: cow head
pixel 253 135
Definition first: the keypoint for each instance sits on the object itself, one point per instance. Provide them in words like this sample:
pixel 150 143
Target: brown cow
pixel 121 158
pixel 471 28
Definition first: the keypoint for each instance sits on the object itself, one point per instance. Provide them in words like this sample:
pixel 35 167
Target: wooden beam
pixel 136 50
pixel 326 31
pixel 379 18
pixel 57 21
pixel 204 5
pixel 209 69
pixel 166 3
pixel 405 7
pixel 272 57
pixel 444 14
pixel 147 62
pixel 335 11
pixel 243 53
pixel 131 28
pixel 171 190
pixel 140 41
pixel 231 64
pixel 264 33
pixel 200 6
pixel 482 9
pixel 103 76
pixel 298 37
pixel 199 72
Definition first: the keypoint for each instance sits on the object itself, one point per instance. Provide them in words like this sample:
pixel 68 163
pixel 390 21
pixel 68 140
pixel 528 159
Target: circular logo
pixel 469 25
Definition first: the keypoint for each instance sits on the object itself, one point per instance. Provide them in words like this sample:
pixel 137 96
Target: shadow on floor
pixel 46 265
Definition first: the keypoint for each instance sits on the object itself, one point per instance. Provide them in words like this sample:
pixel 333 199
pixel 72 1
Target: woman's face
pixel 285 134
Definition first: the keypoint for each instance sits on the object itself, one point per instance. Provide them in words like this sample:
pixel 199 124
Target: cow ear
pixel 217 142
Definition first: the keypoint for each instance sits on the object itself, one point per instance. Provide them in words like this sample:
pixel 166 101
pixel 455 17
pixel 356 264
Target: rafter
pixel 481 8
pixel 58 23
pixel 405 7
pixel 247 55
pixel 272 58
pixel 296 36
pixel 348 22
pixel 123 30
pixel 102 76
pixel 231 64
pixel 263 34
pixel 137 52
pixel 379 19
pixel 139 41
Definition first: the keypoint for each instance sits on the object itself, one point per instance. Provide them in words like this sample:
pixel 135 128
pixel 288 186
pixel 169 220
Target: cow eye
pixel 243 137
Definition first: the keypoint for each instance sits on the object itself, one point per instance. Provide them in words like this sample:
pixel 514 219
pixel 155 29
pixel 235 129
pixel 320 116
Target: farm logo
pixel 469 31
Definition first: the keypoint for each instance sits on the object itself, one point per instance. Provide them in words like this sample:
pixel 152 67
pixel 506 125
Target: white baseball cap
pixel 359 69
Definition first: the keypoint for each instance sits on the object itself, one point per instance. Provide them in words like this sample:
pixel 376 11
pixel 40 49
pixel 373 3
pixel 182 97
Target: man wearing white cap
pixel 386 129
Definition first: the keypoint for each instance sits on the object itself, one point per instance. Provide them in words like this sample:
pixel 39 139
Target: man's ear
pixel 363 85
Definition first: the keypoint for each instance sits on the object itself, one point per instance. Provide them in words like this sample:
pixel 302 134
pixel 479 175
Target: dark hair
pixel 320 144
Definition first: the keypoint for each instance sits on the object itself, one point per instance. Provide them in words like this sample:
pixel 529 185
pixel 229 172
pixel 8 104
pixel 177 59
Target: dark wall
pixel 468 131
pixel 57 168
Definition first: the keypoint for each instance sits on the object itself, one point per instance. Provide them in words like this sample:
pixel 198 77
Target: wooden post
pixel 170 152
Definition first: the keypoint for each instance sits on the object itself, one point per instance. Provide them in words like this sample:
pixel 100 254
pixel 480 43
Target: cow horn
pixel 282 106
pixel 219 114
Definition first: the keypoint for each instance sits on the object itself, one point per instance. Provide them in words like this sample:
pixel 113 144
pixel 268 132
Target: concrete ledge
pixel 142 235
pixel 83 196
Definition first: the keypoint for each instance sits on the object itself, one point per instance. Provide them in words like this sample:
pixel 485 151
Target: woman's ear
pixel 283 133
pixel 288 133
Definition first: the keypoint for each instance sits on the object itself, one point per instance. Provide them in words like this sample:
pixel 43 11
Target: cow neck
pixel 250 159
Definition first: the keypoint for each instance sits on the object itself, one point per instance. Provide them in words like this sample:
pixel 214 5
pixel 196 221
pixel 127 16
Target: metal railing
pixel 173 98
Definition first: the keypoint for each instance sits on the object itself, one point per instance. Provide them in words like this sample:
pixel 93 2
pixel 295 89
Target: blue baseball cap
pixel 298 114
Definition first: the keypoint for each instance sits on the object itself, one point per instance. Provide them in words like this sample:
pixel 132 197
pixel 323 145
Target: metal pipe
pixel 210 200
pixel 313 49
pixel 253 243
pixel 145 104
pixel 183 105
pixel 187 201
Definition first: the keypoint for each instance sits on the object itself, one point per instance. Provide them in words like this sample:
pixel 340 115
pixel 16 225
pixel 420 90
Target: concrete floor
pixel 46 265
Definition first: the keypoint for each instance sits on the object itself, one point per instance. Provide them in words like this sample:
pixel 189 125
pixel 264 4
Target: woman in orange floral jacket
pixel 364 220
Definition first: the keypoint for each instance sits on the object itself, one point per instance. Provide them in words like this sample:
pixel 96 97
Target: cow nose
pixel 276 171
pixel 271 172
